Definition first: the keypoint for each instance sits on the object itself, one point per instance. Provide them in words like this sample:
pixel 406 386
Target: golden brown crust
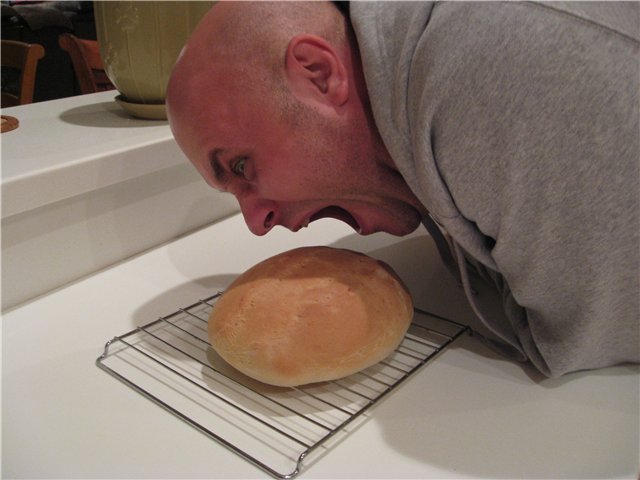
pixel 311 314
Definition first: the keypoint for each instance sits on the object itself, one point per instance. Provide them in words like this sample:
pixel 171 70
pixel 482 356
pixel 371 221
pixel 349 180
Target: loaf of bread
pixel 309 315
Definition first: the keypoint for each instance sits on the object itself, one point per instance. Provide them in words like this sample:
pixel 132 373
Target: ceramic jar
pixel 139 44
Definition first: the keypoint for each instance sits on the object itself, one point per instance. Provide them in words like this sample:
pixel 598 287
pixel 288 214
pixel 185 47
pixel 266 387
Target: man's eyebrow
pixel 219 173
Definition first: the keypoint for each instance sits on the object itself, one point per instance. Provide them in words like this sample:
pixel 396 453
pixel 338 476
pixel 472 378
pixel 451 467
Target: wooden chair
pixel 87 63
pixel 22 57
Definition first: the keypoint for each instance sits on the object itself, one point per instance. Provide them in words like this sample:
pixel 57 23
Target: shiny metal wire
pixel 171 362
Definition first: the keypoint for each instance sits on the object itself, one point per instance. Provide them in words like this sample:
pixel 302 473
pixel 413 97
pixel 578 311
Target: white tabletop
pixel 467 414
pixel 70 146
pixel 85 185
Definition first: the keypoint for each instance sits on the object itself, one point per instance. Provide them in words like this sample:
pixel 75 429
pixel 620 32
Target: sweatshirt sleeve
pixel 529 115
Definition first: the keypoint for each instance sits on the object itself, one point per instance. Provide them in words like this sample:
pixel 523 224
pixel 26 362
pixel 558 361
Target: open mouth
pixel 338 213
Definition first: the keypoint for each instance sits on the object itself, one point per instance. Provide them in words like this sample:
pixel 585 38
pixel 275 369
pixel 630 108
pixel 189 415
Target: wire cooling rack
pixel 171 362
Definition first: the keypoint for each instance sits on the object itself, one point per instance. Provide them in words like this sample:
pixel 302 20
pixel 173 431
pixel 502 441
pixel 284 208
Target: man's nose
pixel 259 215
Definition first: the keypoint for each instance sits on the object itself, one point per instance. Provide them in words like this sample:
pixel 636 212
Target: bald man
pixel 513 128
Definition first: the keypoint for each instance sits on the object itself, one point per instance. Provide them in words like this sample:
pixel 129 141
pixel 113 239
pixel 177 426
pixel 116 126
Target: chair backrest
pixel 87 63
pixel 24 58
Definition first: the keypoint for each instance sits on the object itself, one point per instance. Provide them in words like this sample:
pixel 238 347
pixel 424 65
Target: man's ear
pixel 315 72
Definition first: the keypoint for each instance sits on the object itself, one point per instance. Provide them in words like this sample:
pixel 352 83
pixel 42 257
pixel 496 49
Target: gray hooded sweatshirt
pixel 516 125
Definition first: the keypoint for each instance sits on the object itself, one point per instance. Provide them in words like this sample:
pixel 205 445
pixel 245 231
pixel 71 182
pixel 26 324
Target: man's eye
pixel 238 166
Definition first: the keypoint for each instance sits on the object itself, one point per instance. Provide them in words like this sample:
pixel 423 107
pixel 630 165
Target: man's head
pixel 268 101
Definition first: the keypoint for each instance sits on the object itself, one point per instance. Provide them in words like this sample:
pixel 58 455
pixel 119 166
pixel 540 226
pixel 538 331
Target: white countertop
pixel 73 145
pixel 467 414
pixel 84 185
